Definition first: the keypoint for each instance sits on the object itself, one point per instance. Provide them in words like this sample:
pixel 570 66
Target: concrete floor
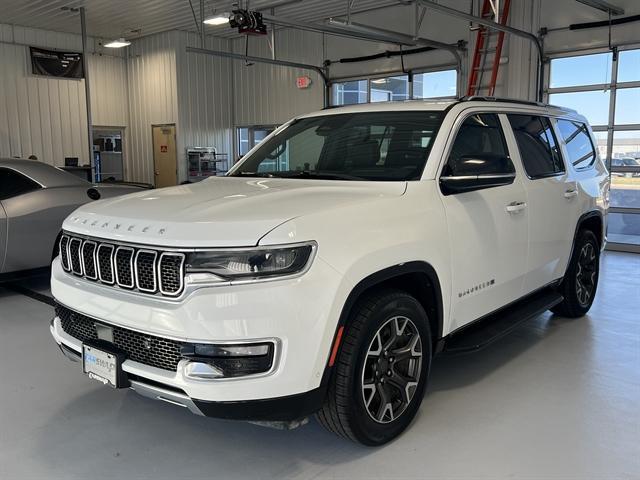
pixel 556 399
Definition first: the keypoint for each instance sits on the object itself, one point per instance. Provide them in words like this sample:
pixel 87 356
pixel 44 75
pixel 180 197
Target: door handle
pixel 516 207
pixel 571 193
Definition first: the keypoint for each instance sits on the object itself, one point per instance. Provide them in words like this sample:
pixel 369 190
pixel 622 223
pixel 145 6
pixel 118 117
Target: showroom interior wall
pixel 267 94
pixel 154 81
pixel 153 98
pixel 45 116
pixel 205 97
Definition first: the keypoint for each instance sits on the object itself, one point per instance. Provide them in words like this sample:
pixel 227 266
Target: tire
pixel 580 283
pixel 362 361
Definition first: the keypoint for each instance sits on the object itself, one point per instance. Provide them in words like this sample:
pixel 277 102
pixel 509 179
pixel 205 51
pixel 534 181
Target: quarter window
pixel 537 144
pixel 479 144
pixel 579 147
pixel 13 184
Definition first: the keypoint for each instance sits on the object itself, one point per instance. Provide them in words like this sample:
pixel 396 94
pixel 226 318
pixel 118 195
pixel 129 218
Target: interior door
pixel 552 198
pixel 165 158
pixel 488 228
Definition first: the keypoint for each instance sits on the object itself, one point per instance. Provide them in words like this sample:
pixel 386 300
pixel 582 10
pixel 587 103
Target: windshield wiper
pixel 317 175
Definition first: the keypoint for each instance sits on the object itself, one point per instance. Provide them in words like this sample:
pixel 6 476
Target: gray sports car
pixel 34 200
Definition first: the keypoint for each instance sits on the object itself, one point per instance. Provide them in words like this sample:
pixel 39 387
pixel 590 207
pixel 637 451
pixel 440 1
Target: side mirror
pixel 476 172
pixel 93 193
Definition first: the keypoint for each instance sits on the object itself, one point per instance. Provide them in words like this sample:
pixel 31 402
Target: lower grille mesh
pixel 147 349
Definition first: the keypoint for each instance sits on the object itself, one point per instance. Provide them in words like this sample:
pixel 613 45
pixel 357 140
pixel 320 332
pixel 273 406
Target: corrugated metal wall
pixel 45 116
pixel 205 98
pixel 153 98
pixel 267 94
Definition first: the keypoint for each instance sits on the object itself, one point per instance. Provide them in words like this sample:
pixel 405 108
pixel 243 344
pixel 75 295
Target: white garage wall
pixel 267 94
pixel 205 98
pixel 45 116
pixel 153 98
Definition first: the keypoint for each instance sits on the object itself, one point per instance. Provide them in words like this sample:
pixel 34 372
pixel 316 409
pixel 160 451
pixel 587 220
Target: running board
pixel 498 324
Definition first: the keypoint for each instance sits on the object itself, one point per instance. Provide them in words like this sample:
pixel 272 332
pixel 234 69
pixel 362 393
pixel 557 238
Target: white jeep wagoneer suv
pixel 325 271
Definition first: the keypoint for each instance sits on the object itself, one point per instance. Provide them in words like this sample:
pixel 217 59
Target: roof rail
pixel 512 100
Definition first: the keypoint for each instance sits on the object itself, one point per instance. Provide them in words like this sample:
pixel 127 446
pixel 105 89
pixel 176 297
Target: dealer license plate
pixel 100 365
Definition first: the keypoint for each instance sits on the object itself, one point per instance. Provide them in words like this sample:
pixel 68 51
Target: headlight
pixel 248 264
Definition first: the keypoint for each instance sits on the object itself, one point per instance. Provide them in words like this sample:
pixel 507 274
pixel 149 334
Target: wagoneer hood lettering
pixel 219 211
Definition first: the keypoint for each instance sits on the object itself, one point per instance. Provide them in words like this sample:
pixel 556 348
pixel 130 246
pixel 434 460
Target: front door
pixel 165 162
pixel 488 228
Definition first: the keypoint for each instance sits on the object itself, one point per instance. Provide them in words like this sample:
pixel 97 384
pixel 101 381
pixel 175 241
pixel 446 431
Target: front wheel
pixel 381 370
pixel 581 280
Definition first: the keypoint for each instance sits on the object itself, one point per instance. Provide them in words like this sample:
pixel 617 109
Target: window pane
pixel 537 145
pixel 389 89
pixel 243 141
pixel 435 84
pixel 13 184
pixel 593 105
pixel 601 143
pixel 625 170
pixel 579 147
pixel 627 106
pixel 362 146
pixel 350 93
pixel 582 70
pixel 629 66
pixel 624 228
pixel 480 137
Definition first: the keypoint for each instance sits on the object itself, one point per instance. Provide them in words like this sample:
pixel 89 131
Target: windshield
pixel 382 146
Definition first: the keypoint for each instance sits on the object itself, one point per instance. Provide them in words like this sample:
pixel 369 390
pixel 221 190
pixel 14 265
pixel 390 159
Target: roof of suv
pixel 439 105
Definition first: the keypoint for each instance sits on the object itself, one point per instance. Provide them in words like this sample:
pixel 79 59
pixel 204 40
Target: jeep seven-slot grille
pixel 132 268
pixel 147 349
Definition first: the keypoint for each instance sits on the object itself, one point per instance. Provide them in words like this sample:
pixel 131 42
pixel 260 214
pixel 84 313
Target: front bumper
pixel 300 314
pixel 282 409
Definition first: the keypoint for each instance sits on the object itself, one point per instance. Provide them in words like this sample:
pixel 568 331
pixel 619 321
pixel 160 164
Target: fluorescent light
pixel 119 43
pixel 379 81
pixel 219 19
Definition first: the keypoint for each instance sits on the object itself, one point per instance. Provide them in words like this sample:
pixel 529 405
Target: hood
pixel 219 212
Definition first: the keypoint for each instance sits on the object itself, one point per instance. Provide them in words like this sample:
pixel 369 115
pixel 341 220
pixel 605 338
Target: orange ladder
pixel 485 49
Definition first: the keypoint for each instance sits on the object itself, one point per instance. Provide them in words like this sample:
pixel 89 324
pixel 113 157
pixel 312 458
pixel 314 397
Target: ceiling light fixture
pixel 219 19
pixel 119 43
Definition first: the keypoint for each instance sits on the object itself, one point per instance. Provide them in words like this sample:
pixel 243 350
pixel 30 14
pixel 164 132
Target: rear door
pixel 487 228
pixel 552 198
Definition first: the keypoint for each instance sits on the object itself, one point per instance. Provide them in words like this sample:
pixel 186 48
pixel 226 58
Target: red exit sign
pixel 303 82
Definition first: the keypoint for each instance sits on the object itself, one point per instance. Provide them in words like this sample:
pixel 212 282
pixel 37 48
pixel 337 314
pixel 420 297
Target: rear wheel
pixel 381 370
pixel 581 280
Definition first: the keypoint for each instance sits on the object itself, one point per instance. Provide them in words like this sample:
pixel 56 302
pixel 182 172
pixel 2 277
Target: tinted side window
pixel 579 147
pixel 537 144
pixel 13 184
pixel 479 143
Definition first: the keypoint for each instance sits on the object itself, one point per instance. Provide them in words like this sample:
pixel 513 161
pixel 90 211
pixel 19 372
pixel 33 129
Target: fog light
pixel 227 361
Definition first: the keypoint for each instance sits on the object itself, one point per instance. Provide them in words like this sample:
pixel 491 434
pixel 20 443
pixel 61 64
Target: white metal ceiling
pixel 135 18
